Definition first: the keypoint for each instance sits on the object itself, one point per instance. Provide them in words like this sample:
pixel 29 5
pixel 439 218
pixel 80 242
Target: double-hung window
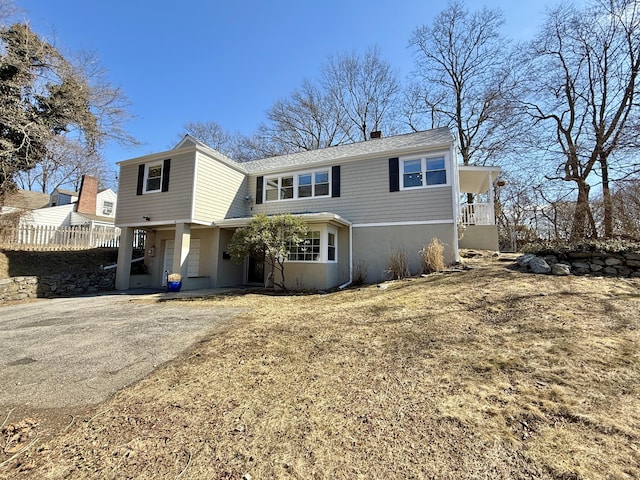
pixel 331 247
pixel 279 188
pixel 424 172
pixel 153 179
pixel 107 208
pixel 300 185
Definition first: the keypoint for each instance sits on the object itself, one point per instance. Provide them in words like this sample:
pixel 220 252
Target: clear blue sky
pixel 229 60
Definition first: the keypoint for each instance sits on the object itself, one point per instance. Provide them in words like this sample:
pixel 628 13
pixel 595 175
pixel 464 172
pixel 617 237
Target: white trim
pixel 164 222
pixel 404 224
pixel 295 174
pixel 148 167
pixel 331 230
pixel 320 217
pixel 455 197
pixel 424 159
pixel 197 147
pixel 344 285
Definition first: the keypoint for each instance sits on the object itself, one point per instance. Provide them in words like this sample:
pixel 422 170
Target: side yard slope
pixel 489 373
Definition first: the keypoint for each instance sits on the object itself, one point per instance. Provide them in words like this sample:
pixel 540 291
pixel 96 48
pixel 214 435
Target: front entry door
pixel 255 269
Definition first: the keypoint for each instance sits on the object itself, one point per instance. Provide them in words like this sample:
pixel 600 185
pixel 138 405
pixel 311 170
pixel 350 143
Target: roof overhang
pixel 323 217
pixel 476 179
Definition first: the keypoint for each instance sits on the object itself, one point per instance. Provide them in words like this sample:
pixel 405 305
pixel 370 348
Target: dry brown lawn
pixel 487 373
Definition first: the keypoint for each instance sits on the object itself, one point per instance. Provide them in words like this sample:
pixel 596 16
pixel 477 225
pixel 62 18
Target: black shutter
pixel 166 168
pixel 259 187
pixel 140 179
pixel 394 175
pixel 335 181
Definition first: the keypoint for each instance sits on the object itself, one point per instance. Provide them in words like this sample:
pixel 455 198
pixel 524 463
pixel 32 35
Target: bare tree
pixel 211 134
pixel 582 81
pixel 308 120
pixel 366 89
pixel 7 11
pixel 464 74
pixel 625 200
pixel 64 164
pixel 44 96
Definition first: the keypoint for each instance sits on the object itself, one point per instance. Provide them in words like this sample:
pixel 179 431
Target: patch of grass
pixel 482 374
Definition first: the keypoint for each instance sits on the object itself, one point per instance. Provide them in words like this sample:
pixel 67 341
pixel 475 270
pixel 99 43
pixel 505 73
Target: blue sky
pixel 228 61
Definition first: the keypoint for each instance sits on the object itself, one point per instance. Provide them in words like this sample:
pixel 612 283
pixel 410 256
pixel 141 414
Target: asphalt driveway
pixel 73 352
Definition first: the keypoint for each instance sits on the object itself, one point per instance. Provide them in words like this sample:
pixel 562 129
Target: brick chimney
pixel 88 195
pixel 375 134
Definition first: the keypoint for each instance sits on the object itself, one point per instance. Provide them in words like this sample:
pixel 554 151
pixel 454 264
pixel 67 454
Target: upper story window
pixel 423 172
pixel 299 185
pixel 153 178
pixel 107 208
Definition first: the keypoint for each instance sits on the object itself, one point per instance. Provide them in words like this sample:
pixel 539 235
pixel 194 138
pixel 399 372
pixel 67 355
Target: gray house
pixel 362 203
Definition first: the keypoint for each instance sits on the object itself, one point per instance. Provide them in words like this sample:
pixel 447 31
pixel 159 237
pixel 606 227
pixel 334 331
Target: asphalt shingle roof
pixel 26 199
pixel 392 145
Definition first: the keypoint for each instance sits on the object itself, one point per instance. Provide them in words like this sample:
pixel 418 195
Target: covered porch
pixel 476 220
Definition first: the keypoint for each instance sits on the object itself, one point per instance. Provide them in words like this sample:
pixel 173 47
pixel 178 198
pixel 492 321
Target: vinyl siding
pixel 59 216
pixel 365 198
pixel 160 206
pixel 106 196
pixel 220 191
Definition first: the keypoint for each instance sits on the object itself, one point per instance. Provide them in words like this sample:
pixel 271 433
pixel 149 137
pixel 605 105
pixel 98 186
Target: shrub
pixel 397 266
pixel 359 274
pixel 432 256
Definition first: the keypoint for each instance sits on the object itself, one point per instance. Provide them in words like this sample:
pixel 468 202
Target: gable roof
pixel 396 145
pixel 187 141
pixel 71 193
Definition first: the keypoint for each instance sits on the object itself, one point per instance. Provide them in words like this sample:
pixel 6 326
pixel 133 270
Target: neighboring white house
pixel 73 219
pixel 362 202
pixel 89 206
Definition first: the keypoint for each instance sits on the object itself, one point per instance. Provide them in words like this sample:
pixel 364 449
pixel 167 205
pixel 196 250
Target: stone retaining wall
pixel 624 264
pixel 60 285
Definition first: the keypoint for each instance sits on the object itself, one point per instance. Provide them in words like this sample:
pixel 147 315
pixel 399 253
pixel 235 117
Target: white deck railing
pixel 477 214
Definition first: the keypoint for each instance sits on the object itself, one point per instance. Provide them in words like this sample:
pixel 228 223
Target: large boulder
pixel 561 269
pixel 539 265
pixel 523 260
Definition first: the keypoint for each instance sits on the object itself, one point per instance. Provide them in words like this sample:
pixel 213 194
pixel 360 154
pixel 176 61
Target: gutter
pixel 345 285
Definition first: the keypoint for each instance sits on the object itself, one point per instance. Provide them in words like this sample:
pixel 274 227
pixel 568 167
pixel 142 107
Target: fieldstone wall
pixel 60 285
pixel 624 264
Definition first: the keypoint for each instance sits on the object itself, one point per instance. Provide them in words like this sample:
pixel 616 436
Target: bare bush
pixel 432 256
pixel 360 272
pixel 397 266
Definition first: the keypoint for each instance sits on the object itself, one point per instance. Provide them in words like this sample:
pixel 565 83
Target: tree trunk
pixel 582 216
pixel 606 197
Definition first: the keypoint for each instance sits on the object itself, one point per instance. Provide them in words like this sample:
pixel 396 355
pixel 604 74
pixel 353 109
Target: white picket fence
pixel 49 237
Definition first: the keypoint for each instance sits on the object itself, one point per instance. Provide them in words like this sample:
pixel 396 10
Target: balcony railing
pixel 477 214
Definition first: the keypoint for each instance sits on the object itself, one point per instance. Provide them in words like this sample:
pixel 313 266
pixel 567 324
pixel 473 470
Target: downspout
pixel 345 285
pixel 456 198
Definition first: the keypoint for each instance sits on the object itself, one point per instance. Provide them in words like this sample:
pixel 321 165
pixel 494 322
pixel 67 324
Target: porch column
pixel 125 251
pixel 492 211
pixel 181 250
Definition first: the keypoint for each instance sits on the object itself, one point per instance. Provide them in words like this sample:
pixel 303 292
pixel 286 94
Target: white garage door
pixel 193 259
